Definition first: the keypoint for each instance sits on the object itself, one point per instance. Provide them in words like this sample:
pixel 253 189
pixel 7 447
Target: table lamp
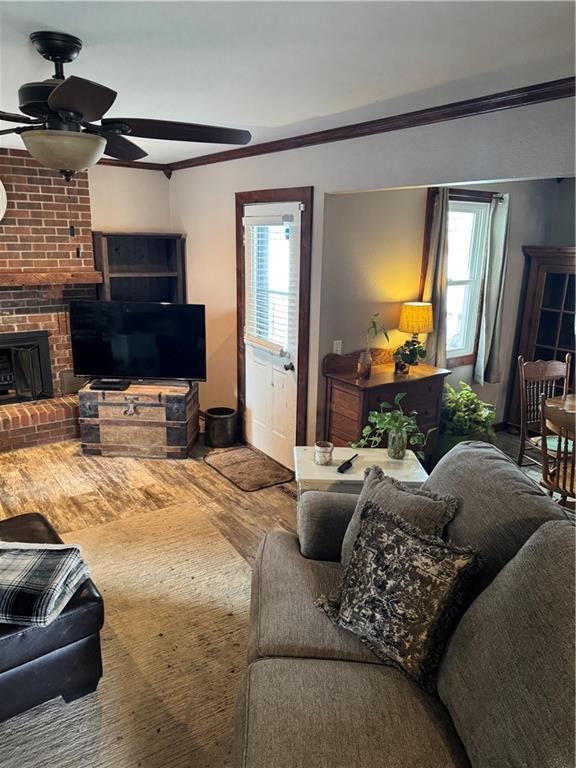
pixel 415 318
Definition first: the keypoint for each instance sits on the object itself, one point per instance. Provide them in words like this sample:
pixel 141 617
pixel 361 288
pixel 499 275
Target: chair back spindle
pixel 537 379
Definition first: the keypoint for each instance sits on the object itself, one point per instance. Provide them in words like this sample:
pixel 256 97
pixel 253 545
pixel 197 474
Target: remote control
pixel 345 466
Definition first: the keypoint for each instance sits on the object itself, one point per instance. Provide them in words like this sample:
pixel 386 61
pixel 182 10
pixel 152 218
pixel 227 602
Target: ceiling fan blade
pixel 10 117
pixel 89 99
pixel 122 149
pixel 167 129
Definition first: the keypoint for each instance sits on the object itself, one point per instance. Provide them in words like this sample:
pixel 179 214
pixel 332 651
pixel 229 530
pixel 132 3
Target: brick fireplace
pixel 25 368
pixel 46 260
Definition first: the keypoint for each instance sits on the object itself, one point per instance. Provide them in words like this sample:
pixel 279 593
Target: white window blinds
pixel 272 257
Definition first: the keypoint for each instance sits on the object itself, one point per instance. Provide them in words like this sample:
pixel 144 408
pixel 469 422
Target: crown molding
pixel 135 164
pixel 495 102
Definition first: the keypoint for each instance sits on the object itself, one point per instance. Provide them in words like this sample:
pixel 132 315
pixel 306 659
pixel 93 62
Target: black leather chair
pixel 63 659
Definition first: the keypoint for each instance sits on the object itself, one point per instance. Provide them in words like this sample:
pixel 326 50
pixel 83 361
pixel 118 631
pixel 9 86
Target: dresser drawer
pixel 344 426
pixel 345 402
pixel 422 397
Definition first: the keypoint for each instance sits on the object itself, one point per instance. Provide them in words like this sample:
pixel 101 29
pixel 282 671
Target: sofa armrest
pixel 322 521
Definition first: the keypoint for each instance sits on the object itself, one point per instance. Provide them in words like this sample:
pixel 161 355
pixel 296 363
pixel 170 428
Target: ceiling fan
pixel 58 127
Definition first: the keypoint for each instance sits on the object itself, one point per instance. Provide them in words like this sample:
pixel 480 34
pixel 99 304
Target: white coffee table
pixel 313 477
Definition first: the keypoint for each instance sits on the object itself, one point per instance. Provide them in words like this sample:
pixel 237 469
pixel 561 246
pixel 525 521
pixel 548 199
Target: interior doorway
pixel 273 246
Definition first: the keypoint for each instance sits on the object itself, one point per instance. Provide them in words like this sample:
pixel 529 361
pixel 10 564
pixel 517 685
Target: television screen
pixel 138 340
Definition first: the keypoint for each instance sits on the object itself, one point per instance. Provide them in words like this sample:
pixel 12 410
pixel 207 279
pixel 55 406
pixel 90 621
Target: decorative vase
pixel 397 441
pixel 364 365
pixel 401 367
pixel 323 453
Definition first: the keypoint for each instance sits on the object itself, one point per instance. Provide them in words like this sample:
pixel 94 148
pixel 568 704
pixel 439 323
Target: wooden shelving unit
pixel 141 266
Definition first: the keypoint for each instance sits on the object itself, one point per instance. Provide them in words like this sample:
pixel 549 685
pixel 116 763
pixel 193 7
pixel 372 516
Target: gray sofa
pixel 315 697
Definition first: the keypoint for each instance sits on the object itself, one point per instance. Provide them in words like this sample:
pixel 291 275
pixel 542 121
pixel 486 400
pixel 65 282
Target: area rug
pixel 248 469
pixel 176 598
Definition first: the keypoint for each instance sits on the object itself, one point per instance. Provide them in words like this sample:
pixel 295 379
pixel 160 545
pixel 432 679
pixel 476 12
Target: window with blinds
pixel 271 247
pixel 468 224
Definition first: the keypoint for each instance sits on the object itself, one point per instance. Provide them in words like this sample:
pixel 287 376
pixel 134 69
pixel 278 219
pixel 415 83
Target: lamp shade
pixel 64 150
pixel 416 317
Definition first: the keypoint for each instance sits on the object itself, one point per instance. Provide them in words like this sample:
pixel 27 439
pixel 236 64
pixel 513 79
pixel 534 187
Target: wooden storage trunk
pixel 149 420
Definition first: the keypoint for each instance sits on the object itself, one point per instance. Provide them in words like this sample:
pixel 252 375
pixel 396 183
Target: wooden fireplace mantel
pixel 53 277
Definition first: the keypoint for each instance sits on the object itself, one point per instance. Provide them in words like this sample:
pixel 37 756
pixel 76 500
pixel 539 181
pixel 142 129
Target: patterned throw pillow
pixel 401 593
pixel 429 512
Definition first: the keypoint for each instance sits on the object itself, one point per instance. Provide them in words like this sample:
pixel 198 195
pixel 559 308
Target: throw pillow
pixel 427 511
pixel 401 593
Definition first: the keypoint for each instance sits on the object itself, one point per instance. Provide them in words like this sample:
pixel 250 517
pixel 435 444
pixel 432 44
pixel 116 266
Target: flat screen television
pixel 138 340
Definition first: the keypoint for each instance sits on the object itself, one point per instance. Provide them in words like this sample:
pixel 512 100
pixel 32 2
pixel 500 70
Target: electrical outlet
pixel 337 346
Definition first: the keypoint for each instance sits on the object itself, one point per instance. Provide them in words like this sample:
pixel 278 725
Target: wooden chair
pixel 542 377
pixel 558 463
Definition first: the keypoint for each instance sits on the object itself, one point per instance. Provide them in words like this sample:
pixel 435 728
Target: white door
pixel 271 286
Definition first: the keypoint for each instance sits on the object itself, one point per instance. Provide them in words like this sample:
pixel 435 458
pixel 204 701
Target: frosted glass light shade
pixel 416 317
pixel 64 150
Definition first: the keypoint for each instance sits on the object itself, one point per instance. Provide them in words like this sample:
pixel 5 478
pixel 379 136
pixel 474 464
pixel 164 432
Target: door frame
pixel 303 195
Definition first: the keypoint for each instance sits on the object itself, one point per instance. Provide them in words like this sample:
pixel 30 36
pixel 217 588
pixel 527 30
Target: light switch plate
pixel 337 346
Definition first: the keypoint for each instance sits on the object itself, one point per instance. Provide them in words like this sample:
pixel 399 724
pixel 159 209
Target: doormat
pixel 248 469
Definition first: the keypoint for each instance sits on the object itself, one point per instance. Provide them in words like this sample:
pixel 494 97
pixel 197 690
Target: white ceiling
pixel 283 68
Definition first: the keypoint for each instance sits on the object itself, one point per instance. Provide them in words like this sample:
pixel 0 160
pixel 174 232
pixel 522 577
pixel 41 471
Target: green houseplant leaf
pixel 463 414
pixel 389 418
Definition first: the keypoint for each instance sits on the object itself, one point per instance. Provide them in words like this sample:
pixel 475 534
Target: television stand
pixel 115 385
pixel 153 420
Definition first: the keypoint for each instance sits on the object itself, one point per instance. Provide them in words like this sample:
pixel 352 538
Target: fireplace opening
pixel 25 371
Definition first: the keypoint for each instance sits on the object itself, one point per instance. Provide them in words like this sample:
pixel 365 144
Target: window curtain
pixel 487 368
pixel 436 280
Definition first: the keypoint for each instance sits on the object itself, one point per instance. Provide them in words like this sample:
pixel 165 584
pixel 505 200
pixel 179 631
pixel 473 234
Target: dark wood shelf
pixel 141 267
pixel 143 274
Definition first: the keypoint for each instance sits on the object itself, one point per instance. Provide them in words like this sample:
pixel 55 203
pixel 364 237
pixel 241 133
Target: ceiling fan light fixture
pixel 64 150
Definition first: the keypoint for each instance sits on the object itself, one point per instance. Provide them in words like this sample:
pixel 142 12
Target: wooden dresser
pixel 349 399
pixel 154 420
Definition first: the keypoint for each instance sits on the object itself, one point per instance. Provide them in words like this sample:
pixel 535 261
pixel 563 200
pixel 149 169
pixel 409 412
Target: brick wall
pixel 35 232
pixel 44 421
pixel 35 237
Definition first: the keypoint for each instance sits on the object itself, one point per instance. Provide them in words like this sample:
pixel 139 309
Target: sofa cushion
pixel 401 592
pixel 323 517
pixel 300 713
pixel 83 616
pixel 500 507
pixel 426 510
pixel 284 620
pixel 507 678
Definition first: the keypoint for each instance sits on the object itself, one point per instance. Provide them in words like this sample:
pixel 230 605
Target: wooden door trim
pixel 303 195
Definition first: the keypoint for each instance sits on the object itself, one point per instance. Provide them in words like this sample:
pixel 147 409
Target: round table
pixel 564 409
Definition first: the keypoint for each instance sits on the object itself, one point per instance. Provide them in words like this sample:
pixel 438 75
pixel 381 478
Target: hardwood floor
pixel 75 491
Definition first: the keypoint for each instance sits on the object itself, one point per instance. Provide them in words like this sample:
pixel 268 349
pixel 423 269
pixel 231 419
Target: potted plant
pixel 401 428
pixel 463 416
pixel 375 327
pixel 410 353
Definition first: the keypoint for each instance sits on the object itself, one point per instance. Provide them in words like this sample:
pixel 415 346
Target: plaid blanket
pixel 37 581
